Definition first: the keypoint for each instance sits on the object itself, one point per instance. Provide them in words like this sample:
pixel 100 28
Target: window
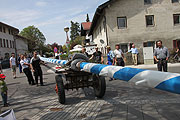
pixel 147 2
pixel 176 19
pixel 149 44
pixel 124 47
pixel 9 30
pixel 0 28
pixel 176 44
pixel 4 41
pixel 4 29
pixel 122 22
pixel 149 20
pixel 174 1
pixel 10 44
pixel 7 44
pixel 1 42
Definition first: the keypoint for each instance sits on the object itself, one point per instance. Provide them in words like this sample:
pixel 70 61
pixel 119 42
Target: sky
pixel 50 16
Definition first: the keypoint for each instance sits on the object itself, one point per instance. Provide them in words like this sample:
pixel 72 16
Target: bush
pixel 64 57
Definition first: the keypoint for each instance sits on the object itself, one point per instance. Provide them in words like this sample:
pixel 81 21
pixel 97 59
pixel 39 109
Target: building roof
pixel 97 14
pixel 9 26
pixel 86 25
pixel 19 36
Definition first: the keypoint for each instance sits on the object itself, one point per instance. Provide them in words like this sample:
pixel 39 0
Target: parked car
pixel 5 64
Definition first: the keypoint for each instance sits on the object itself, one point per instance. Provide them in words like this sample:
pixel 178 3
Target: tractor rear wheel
pixel 99 86
pixel 60 89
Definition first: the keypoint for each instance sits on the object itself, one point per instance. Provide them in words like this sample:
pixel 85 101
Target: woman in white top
pixel 26 69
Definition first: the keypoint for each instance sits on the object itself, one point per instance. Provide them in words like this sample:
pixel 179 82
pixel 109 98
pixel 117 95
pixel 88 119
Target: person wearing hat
pixel 3 88
pixel 119 56
pixel 97 56
pixel 110 56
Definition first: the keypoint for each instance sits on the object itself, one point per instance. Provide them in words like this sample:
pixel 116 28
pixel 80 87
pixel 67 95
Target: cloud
pixel 55 20
pixel 41 3
pixel 19 18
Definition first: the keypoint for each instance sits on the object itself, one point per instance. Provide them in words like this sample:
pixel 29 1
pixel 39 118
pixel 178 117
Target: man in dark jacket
pixel 36 68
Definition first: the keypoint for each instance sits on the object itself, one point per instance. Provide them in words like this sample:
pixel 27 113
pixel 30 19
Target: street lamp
pixel 66 29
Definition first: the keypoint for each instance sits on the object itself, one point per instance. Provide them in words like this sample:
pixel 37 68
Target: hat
pixel 108 47
pixel 2 76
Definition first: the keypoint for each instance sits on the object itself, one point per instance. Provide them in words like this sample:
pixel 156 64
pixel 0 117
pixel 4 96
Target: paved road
pixel 122 101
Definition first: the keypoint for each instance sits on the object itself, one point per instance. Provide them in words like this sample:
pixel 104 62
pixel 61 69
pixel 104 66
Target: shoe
pixel 33 84
pixel 42 84
pixel 37 85
pixel 6 105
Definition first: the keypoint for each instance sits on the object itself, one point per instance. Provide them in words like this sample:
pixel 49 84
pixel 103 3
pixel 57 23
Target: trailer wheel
pixel 60 89
pixel 99 86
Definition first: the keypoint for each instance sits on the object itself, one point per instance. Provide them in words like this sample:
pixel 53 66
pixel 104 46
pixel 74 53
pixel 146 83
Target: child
pixel 3 88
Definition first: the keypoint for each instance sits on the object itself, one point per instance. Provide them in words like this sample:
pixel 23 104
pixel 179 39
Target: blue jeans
pixel 4 98
pixel 20 68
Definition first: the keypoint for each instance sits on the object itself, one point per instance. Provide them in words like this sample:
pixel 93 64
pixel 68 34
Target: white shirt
pixel 22 63
pixel 13 61
pixel 118 53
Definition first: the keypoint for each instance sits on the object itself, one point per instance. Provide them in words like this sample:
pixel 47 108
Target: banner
pixel 8 115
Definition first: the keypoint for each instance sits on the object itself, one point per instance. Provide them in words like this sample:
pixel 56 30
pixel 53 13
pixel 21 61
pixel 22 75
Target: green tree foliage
pixel 65 49
pixel 35 36
pixel 74 30
pixel 87 19
pixel 77 41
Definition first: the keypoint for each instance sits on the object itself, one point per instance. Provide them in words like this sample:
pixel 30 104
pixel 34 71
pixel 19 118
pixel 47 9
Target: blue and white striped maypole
pixel 155 79
pixel 161 80
pixel 54 61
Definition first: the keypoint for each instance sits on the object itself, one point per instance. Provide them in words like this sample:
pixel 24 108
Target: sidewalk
pixel 143 66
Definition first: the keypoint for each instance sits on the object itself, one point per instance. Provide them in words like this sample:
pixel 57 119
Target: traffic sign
pixel 55 49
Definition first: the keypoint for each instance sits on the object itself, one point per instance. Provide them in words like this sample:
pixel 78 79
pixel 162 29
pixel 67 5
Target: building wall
pixel 21 45
pixel 5 49
pixel 99 35
pixel 136 31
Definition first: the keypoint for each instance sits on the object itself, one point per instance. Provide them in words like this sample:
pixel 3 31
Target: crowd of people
pixel 28 66
pixel 115 57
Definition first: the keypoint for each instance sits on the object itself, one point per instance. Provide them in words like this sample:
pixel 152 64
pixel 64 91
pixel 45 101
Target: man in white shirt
pixel 119 56
pixel 134 53
pixel 13 64
pixel 26 69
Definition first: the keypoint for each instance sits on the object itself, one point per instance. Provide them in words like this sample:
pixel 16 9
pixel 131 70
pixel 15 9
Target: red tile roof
pixel 86 25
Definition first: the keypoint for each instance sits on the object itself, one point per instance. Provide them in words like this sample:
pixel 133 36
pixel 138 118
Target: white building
pixel 142 22
pixel 11 42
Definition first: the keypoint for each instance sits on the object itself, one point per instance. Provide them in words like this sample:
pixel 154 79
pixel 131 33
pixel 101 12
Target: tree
pixel 65 49
pixel 75 30
pixel 35 36
pixel 87 19
pixel 77 41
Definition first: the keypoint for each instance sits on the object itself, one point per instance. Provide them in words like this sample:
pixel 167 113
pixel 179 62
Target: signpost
pixel 55 51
